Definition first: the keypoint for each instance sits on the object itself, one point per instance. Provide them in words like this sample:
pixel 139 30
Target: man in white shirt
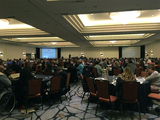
pixel 154 77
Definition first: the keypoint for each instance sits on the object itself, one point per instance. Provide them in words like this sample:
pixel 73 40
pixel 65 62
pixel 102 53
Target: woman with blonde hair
pixel 126 76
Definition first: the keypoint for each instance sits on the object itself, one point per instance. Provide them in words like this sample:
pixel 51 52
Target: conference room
pixel 56 33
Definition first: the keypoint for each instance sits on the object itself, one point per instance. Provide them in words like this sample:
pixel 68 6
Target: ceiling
pixel 80 23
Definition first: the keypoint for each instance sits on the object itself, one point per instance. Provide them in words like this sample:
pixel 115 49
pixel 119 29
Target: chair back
pixel 103 89
pixel 95 72
pixel 67 65
pixel 91 86
pixel 117 71
pixel 138 72
pixel 55 74
pixel 130 91
pixel 137 65
pixel 47 73
pixel 55 83
pixel 143 74
pixel 34 86
pixel 13 72
pixel 36 69
pixel 68 79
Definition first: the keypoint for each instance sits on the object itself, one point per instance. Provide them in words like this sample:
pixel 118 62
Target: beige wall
pixel 155 47
pixel 12 51
pixel 91 52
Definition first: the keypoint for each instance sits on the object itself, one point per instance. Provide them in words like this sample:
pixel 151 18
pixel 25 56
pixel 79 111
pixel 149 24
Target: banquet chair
pixel 104 95
pixel 67 88
pixel 95 72
pixel 155 96
pixel 34 90
pixel 84 91
pixel 92 90
pixel 143 74
pixel 116 71
pixel 130 94
pixel 138 72
pixel 55 87
pixel 55 74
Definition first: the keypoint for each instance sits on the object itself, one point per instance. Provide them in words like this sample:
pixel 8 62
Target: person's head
pixel 71 62
pixel 151 69
pixel 116 64
pixel 96 62
pixel 130 61
pixel 1 68
pixel 127 74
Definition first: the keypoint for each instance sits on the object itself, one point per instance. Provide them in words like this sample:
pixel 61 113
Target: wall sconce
pixel 1 54
pixel 33 54
pixel 82 54
pixel 24 54
pixel 101 54
pixel 151 52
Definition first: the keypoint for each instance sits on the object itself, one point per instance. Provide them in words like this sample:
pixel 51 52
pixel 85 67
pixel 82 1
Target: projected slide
pixel 49 53
pixel 131 52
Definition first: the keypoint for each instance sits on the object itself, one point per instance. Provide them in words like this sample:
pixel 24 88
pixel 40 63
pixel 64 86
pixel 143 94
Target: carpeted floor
pixel 73 109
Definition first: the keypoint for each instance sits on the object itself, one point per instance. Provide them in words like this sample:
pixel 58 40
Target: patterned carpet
pixel 72 109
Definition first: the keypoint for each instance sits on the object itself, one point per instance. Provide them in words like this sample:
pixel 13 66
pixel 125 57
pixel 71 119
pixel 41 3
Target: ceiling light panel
pixel 126 42
pixel 118 37
pixel 124 17
pixel 50 44
pixel 17 28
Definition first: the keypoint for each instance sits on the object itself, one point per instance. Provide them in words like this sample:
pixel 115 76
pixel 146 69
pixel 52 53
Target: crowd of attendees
pixel 83 66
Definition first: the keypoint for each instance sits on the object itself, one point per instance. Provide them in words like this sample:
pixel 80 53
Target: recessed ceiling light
pixel 152 15
pixel 125 17
pixel 53 42
pixel 4 23
pixel 91 14
pixel 112 41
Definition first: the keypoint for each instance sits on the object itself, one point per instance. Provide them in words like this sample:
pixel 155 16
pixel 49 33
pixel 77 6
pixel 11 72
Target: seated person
pixel 99 69
pixel 15 67
pixel 48 67
pixel 153 78
pixel 4 80
pixel 87 74
pixel 126 76
pixel 22 88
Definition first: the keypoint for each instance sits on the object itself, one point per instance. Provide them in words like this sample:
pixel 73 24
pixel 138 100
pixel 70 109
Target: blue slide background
pixel 48 53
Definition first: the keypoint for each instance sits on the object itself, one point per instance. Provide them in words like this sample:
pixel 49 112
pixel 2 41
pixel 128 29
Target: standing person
pixel 4 80
pixel 69 58
pixel 80 69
